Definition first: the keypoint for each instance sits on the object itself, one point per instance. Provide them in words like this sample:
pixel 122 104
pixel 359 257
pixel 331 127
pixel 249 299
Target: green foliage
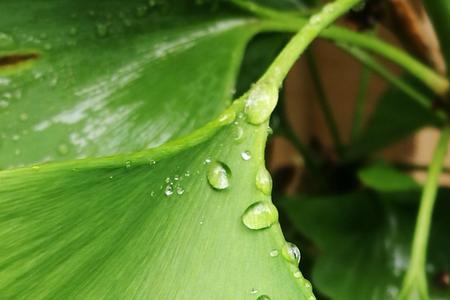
pixel 128 171
pixel 363 240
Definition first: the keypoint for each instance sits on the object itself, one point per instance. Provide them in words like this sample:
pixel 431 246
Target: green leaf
pixel 384 178
pixel 110 78
pixel 146 225
pixel 395 117
pixel 364 241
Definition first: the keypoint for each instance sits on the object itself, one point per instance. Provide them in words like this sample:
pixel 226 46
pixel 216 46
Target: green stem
pixel 415 278
pixel 279 68
pixel 323 101
pixel 360 103
pixel 396 81
pixel 286 22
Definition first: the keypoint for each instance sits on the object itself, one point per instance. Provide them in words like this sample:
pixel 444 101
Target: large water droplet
pixel 291 253
pixel 260 215
pixel 260 103
pixel 218 175
pixel 263 297
pixel 263 180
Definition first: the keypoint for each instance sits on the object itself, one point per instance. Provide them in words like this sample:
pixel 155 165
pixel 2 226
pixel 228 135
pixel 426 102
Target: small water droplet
pixel 253 291
pixel 5 40
pixel 316 19
pixel 307 284
pixel 260 215
pixel 187 174
pixel 263 297
pixel 176 177
pixel 141 10
pixel 207 161
pixel 23 117
pixel 274 253
pixel 63 149
pixel 291 253
pixel 260 103
pixel 264 180
pixel 238 133
pixel 102 30
pixel 227 117
pixel 128 164
pixel 297 274
pixel 73 31
pixel 152 162
pixel 180 190
pixel 218 175
pixel 168 191
pixel 246 155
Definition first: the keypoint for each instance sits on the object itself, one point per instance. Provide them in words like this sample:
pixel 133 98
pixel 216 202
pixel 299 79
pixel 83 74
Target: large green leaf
pixel 364 241
pixel 107 78
pixel 147 225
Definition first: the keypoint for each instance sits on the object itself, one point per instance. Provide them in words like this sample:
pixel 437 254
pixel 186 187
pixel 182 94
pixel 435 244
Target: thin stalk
pixel 280 21
pixel 323 101
pixel 279 68
pixel 415 278
pixel 360 103
pixel 396 81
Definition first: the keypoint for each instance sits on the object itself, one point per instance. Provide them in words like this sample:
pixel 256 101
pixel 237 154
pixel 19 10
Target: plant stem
pixel 396 81
pixel 287 22
pixel 279 68
pixel 416 274
pixel 323 101
pixel 360 103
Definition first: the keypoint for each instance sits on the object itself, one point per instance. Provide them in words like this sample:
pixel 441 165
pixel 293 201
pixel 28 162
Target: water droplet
pixel 63 149
pixel 5 40
pixel 102 30
pixel 260 215
pixel 141 11
pixel 218 175
pixel 238 133
pixel 260 103
pixel 291 253
pixel 246 155
pixel 207 161
pixel 152 162
pixel 263 180
pixel 263 297
pixel 187 174
pixel 180 190
pixel 128 164
pixel 253 291
pixel 316 19
pixel 227 117
pixel 274 253
pixel 23 117
pixel 297 274
pixel 73 30
pixel 176 177
pixel 168 190
pixel 307 284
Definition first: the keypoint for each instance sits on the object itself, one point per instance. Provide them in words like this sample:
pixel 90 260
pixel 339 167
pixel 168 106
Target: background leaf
pixel 364 241
pixel 111 78
pixel 395 117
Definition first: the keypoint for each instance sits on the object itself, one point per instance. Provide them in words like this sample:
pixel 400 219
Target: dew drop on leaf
pixel 297 274
pixel 218 175
pixel 102 30
pixel 264 180
pixel 291 253
pixel 253 291
pixel 246 155
pixel 168 191
pixel 274 253
pixel 260 103
pixel 180 190
pixel 128 164
pixel 260 215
